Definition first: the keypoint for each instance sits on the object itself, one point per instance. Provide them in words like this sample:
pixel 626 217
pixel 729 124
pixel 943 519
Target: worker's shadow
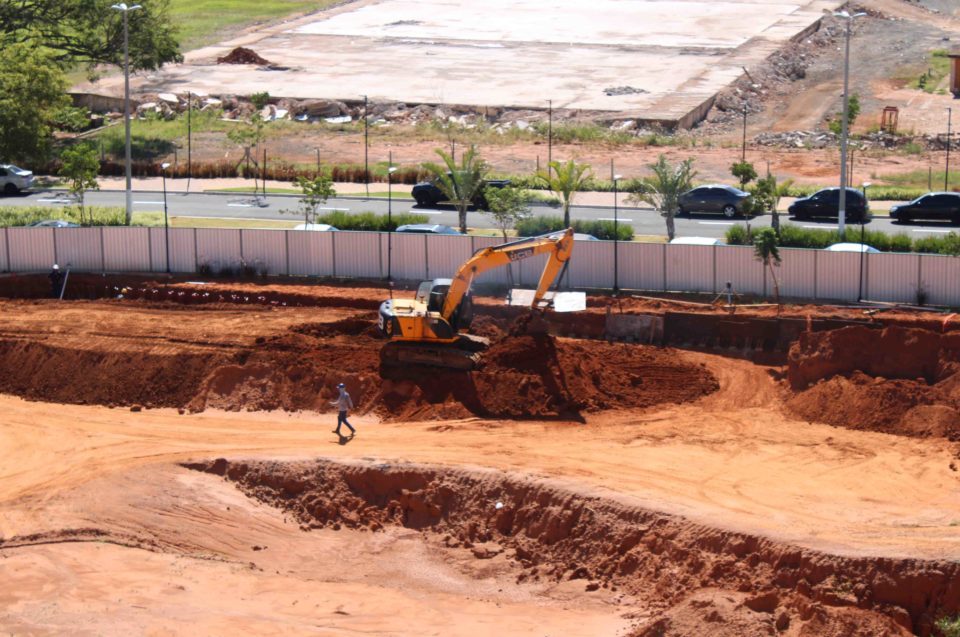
pixel 343 440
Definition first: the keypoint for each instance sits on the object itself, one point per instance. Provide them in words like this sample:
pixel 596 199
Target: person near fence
pixel 343 404
pixel 56 281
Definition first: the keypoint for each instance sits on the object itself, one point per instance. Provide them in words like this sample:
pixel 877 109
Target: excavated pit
pixel 691 575
pixel 904 381
pixel 298 369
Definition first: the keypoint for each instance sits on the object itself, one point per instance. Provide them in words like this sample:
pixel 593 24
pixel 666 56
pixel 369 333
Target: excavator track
pixel 463 354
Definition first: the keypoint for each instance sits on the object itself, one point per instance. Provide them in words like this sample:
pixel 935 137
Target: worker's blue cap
pixel 341 385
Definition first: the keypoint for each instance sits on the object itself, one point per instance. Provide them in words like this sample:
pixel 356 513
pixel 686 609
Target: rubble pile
pixel 826 139
pixel 241 55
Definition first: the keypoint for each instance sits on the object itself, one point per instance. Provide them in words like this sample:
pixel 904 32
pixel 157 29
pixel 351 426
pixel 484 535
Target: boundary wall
pixel 810 274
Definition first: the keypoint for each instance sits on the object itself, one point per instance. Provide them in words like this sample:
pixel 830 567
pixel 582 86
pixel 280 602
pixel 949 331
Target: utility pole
pixel 124 9
pixel 946 174
pixel 743 153
pixel 842 211
pixel 189 138
pixel 366 146
pixel 549 135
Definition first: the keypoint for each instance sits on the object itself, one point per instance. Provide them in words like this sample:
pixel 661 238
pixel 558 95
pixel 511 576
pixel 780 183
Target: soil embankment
pixel 896 380
pixel 690 574
pixel 297 365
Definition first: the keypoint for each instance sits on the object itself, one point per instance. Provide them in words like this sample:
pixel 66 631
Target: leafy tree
pixel 853 110
pixel 90 32
pixel 459 183
pixel 744 171
pixel 249 136
pixel 664 187
pixel 32 90
pixel 765 250
pixel 315 191
pixel 508 206
pixel 80 168
pixel 565 180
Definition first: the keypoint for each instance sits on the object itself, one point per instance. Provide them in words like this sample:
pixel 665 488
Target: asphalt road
pixel 241 206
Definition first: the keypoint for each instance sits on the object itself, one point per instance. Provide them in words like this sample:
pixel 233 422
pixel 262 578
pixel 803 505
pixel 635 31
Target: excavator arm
pixel 558 245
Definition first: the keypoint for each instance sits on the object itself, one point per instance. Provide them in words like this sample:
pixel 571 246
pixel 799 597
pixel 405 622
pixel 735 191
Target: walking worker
pixel 56 281
pixel 343 403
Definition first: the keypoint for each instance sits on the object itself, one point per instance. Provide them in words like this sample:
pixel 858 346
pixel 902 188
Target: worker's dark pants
pixel 342 420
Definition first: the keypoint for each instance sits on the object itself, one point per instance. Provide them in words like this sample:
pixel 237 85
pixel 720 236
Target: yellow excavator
pixel 426 330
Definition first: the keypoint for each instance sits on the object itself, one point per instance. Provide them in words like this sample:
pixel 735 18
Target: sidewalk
pixel 400 191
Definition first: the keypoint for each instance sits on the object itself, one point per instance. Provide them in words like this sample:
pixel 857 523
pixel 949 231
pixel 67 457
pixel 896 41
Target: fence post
pixel 150 248
pixel 6 240
pixel 380 251
pixel 241 246
pixel 333 251
pixel 815 274
pixel 714 269
pixel 919 274
pixel 196 254
pixel 55 251
pixel 426 255
pixel 103 254
pixel 286 249
pixel 663 248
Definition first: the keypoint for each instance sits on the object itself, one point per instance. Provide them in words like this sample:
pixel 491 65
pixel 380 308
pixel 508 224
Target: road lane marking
pixel 344 209
pixel 618 219
pixel 931 230
pixel 821 227
pixel 152 203
pixel 240 205
pixel 717 223
pixel 55 200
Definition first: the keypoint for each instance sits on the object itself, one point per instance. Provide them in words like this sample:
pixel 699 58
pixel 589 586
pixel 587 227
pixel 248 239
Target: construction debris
pixel 241 55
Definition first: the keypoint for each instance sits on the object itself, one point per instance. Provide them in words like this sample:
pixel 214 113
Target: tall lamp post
pixel 616 238
pixel 743 152
pixel 124 9
pixel 842 212
pixel 166 221
pixel 946 174
pixel 863 218
pixel 390 170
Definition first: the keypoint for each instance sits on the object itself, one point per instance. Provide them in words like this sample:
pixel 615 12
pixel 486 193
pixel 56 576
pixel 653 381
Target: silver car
pixel 14 179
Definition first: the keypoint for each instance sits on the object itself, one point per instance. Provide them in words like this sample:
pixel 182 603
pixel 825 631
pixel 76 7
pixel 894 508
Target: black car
pixel 826 203
pixel 426 193
pixel 713 198
pixel 935 205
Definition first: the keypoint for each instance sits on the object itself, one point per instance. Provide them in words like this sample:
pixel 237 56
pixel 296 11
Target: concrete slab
pixel 515 53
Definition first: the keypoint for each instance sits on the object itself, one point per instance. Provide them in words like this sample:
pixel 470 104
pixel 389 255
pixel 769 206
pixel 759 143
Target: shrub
pixel 95 216
pixel 603 230
pixel 369 221
pixel 738 235
pixel 949 626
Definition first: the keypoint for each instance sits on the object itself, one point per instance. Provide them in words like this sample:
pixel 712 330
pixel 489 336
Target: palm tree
pixel 765 250
pixel 565 180
pixel 460 184
pixel 663 189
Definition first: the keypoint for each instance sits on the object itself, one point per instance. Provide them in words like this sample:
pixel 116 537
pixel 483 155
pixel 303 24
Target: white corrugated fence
pixel 811 274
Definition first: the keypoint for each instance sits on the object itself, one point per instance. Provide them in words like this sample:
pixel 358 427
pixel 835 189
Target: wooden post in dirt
pixel 955 73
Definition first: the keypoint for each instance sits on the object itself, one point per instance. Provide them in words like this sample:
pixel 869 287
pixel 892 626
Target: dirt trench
pixel 692 575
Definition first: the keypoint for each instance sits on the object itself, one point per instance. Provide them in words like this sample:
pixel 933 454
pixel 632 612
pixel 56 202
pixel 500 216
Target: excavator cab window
pixel 437 296
pixel 423 292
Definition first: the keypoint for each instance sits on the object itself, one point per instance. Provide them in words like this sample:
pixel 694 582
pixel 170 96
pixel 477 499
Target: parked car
pixel 316 227
pixel 13 179
pixel 54 223
pixel 826 203
pixel 935 205
pixel 427 228
pixel 713 198
pixel 697 241
pixel 851 247
pixel 427 193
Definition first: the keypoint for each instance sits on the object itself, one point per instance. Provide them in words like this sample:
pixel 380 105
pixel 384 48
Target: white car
pixel 852 247
pixel 316 227
pixel 13 179
pixel 697 241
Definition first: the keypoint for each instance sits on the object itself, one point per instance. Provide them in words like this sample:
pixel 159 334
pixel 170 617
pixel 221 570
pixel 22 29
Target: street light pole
pixel 549 134
pixel 616 239
pixel 946 174
pixel 743 153
pixel 124 9
pixel 166 222
pixel 842 212
pixel 366 147
pixel 390 170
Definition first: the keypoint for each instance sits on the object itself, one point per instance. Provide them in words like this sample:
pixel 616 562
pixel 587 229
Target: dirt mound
pixel 690 575
pixel 859 401
pixel 241 55
pixel 896 380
